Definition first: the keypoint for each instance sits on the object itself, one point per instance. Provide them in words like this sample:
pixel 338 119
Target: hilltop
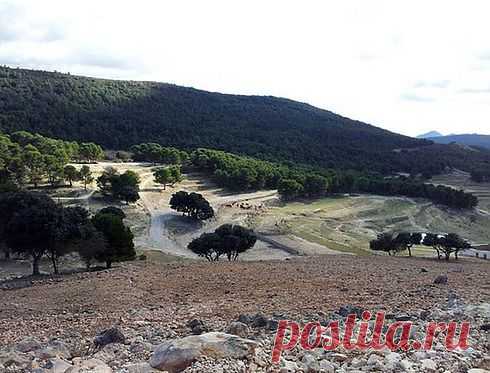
pixel 118 114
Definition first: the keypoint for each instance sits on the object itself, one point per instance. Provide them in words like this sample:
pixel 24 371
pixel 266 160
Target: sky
pixel 407 66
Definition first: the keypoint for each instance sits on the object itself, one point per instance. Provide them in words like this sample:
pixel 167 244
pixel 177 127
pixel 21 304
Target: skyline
pixel 409 68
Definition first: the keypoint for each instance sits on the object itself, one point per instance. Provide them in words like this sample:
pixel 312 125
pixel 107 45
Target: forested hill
pixel 118 114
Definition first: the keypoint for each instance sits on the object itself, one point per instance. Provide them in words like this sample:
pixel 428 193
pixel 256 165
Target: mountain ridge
pixel 118 114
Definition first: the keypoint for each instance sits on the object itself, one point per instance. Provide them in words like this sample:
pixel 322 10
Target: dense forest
pixel 244 173
pixel 119 114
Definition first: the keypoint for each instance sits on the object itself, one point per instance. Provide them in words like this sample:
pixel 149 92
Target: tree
pixel 235 240
pixel 453 243
pixel 168 175
pixel 229 240
pixel 289 189
pixel 54 169
pixel 32 229
pixel 434 241
pixel 163 176
pixel 68 232
pixel 208 245
pixel 120 246
pixel 71 174
pixel 113 211
pixel 407 240
pixel 94 245
pixel 33 160
pixel 123 187
pixel 192 204
pixel 315 185
pixel 86 176
pixel 386 243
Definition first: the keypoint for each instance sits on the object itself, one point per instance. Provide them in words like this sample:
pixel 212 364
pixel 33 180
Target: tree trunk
pixel 54 260
pixel 35 265
pixel 108 264
pixel 409 251
pixel 447 256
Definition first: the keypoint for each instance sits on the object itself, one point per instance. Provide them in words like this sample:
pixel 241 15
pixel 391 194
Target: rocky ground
pixel 50 324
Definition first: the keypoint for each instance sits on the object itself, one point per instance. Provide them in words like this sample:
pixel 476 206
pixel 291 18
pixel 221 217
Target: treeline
pixel 119 114
pixel 27 158
pixel 446 244
pixel 155 153
pixel 33 226
pixel 243 173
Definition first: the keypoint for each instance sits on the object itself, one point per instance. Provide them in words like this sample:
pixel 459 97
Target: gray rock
pixel 55 349
pixel 28 345
pixel 429 365
pixel 310 363
pixel 197 327
pixel 108 336
pixel 90 365
pixel 56 366
pixel 176 355
pixel 140 368
pixel 441 280
pixel 12 358
pixel 238 328
pixel 349 310
pixel 327 366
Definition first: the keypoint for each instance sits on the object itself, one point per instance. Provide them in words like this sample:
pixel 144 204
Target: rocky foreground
pixel 222 317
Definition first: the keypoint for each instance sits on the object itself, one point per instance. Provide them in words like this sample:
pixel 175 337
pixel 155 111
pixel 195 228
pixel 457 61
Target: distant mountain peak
pixel 429 135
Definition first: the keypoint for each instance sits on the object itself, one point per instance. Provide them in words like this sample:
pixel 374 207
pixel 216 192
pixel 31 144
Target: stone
pixel 310 363
pixel 288 366
pixel 259 321
pixel 55 349
pixel 108 336
pixel 10 358
pixel 28 345
pixel 429 365
pixel 140 368
pixel 485 327
pixel 197 327
pixel 327 366
pixel 403 317
pixel 90 365
pixel 441 280
pixel 406 364
pixel 56 366
pixel 178 354
pixel 349 310
pixel 238 328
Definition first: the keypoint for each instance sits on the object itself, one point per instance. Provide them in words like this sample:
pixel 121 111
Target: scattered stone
pixel 485 327
pixel 310 363
pixel 259 321
pixel 327 367
pixel 90 365
pixel 108 336
pixel 423 270
pixel 197 327
pixel 403 317
pixel 28 345
pixel 57 366
pixel 176 355
pixel 429 365
pixel 441 280
pixel 349 310
pixel 238 328
pixel 140 368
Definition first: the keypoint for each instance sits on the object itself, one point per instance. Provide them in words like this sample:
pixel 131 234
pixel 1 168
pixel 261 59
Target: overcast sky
pixel 408 66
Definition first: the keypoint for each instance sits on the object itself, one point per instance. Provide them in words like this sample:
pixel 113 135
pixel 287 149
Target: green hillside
pixel 118 114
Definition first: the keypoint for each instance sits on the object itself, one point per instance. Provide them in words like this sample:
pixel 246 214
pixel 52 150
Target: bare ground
pixel 167 296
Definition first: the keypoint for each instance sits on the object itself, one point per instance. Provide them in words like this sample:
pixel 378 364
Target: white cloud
pixel 400 65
